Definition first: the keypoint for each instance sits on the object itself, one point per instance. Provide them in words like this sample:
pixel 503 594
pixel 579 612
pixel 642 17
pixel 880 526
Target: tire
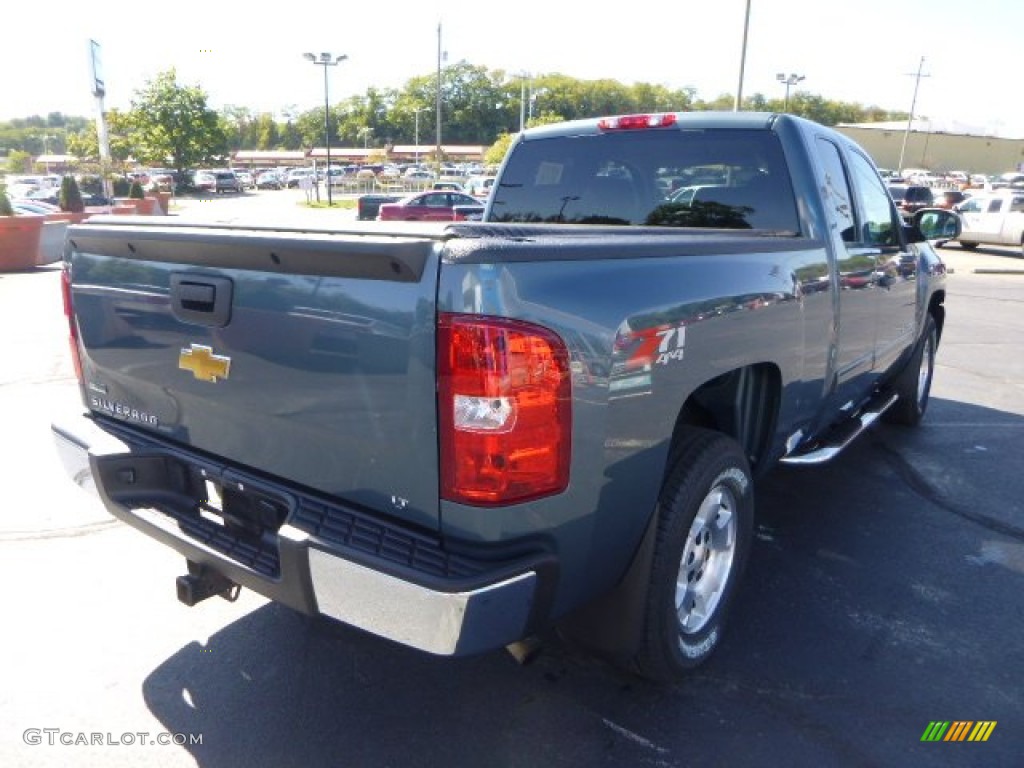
pixel 705 523
pixel 968 246
pixel 913 386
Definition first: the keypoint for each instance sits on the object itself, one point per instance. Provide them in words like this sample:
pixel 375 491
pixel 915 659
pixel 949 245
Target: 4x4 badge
pixel 204 365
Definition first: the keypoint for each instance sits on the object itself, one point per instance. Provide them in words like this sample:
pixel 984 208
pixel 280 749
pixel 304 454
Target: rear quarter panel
pixel 717 307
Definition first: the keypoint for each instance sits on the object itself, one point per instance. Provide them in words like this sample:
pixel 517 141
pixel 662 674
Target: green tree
pixel 18 161
pixel 291 139
pixel 120 134
pixel 497 151
pixel 266 133
pixel 173 125
pixel 239 126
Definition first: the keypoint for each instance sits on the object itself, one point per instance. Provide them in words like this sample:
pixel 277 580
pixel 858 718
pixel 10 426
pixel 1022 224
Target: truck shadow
pixel 843 617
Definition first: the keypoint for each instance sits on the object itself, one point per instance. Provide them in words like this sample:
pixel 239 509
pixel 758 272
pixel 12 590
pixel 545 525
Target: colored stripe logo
pixel 958 730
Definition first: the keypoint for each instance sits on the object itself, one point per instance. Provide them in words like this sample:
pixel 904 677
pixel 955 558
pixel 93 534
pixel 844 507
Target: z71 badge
pixel 659 346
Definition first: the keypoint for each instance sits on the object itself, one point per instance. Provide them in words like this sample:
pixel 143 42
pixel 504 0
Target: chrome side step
pixel 840 436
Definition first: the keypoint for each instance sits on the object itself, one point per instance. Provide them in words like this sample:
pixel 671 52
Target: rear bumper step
pixel 478 609
pixel 841 435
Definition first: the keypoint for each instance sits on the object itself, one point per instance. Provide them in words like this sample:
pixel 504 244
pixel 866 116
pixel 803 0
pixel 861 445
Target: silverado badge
pixel 204 365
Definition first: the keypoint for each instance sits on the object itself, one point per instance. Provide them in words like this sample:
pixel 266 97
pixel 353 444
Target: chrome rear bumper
pixel 314 576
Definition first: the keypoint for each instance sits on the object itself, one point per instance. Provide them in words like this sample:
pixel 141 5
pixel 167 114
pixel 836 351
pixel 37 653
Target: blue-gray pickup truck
pixel 461 436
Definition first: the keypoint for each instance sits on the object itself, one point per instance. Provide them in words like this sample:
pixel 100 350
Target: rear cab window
pixel 733 179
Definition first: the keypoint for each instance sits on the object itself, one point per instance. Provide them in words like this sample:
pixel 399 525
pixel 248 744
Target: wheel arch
pixel 743 404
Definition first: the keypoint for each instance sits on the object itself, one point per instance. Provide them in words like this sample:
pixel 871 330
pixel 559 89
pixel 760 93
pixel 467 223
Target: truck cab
pixel 995 218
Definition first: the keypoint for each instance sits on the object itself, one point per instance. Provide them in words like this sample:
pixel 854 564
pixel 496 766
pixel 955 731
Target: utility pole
pixel 910 120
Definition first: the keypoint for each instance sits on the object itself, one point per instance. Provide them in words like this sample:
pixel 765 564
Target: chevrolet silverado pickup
pixel 459 436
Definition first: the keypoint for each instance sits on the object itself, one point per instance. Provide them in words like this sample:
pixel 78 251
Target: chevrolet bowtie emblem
pixel 204 365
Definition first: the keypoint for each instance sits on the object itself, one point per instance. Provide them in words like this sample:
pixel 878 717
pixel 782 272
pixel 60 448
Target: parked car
pixel 427 206
pixel 949 198
pixel 269 180
pixel 1011 179
pixel 226 181
pixel 32 208
pixel 204 181
pixel 996 218
pixel 245 179
pixel 161 179
pixel 421 178
pixel 51 197
pixel 910 198
pixel 296 175
pixel 368 206
pixel 478 186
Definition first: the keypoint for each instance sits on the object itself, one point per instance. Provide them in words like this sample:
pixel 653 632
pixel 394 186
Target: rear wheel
pixel 705 520
pixel 968 246
pixel 914 384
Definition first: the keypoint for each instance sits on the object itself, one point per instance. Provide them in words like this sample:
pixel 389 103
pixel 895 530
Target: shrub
pixel 121 187
pixel 91 185
pixel 5 202
pixel 70 197
pixel 136 191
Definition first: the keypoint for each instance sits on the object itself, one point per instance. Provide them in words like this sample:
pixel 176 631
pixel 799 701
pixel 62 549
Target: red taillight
pixel 634 122
pixel 504 410
pixel 65 290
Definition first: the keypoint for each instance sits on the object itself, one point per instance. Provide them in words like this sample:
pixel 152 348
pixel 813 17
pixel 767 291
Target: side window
pixel 878 227
pixel 838 199
pixel 995 206
pixel 1017 204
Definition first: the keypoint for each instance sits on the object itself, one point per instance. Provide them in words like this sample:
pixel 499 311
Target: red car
pixel 430 206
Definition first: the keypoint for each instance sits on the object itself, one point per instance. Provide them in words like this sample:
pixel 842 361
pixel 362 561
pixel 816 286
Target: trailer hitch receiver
pixel 202 582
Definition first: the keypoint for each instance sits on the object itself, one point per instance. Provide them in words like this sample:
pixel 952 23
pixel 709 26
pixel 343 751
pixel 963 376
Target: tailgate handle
pixel 201 299
pixel 198 297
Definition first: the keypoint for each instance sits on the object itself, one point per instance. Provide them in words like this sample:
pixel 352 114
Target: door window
pixel 879 226
pixel 838 198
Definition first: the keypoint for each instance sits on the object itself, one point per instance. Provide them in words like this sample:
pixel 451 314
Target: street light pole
pixel 791 80
pixel 738 103
pixel 437 97
pixel 326 60
pixel 46 152
pixel 523 76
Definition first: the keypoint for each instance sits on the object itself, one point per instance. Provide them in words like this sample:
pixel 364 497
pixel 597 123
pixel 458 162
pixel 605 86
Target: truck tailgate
pixel 305 355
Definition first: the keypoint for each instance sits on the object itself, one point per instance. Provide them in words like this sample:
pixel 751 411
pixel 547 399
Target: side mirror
pixel 933 224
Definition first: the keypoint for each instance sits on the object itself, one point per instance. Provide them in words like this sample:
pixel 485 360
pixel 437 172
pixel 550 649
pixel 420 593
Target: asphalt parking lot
pixel 884 593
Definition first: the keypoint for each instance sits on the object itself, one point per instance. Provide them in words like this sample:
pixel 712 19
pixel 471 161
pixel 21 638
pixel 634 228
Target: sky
pixel 250 54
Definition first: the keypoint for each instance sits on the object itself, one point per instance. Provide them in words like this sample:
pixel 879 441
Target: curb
pixel 997 271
